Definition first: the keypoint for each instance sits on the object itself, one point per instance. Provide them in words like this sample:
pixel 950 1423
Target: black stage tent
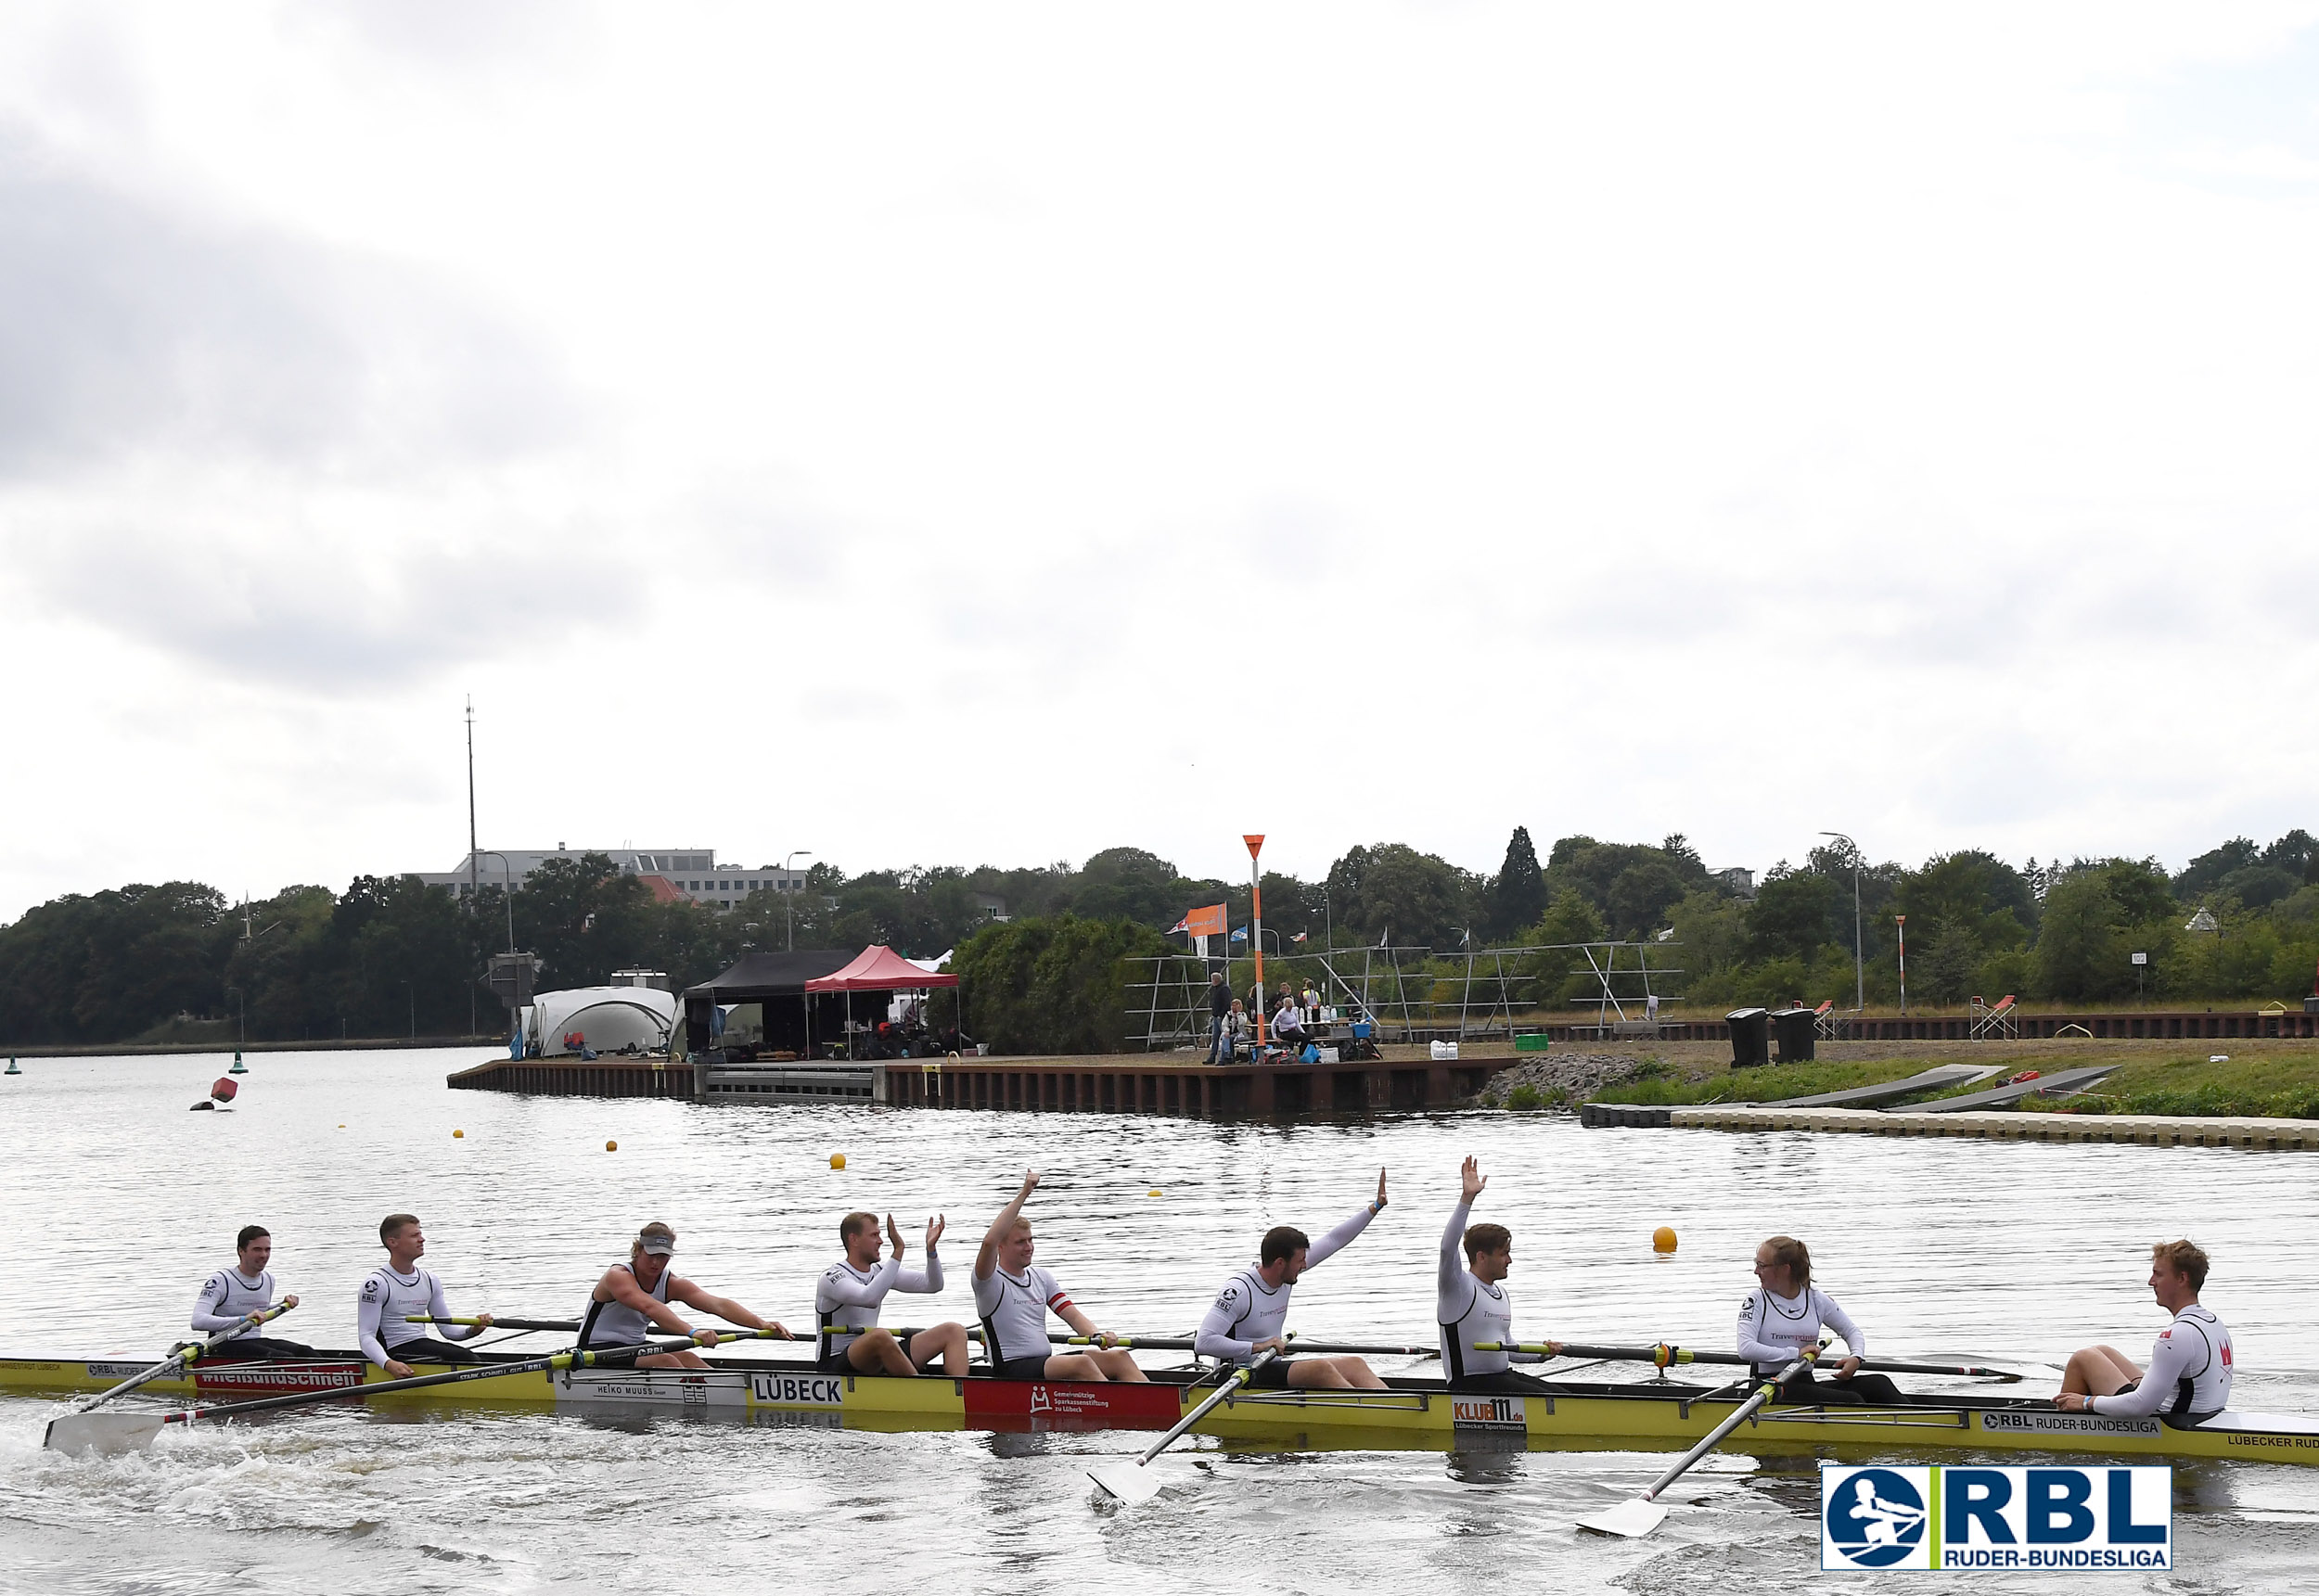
pixel 775 981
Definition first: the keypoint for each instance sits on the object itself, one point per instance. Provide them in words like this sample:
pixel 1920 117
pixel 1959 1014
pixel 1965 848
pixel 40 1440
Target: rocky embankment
pixel 1558 1081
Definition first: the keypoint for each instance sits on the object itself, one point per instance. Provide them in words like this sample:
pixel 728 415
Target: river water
pixel 122 1202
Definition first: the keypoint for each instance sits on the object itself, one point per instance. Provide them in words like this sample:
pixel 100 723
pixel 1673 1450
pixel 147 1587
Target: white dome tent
pixel 610 1019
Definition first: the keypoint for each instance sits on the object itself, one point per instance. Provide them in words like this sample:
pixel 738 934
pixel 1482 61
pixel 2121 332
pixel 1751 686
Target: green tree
pixel 1518 893
pixel 1052 984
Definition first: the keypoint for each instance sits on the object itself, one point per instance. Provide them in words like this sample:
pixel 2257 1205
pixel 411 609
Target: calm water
pixel 123 1202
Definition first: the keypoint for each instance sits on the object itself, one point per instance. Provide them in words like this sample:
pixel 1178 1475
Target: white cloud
pixel 1016 426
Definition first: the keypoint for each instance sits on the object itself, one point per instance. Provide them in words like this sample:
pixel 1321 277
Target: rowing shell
pixel 1412 1415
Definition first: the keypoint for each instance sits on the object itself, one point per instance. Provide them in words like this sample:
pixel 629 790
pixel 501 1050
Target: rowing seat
pixel 2001 1022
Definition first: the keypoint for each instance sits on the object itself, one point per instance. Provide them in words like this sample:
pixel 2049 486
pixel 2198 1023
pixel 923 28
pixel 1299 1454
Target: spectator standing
pixel 1219 1007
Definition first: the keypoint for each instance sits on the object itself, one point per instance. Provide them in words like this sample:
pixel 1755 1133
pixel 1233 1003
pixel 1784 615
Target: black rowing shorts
pixel 1272 1377
pixel 1032 1367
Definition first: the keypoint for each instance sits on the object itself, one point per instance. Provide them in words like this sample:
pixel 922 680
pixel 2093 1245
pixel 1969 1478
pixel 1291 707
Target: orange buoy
pixel 1663 1239
pixel 611 1146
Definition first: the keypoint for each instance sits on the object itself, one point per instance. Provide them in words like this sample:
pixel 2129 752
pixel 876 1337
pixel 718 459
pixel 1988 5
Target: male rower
pixel 400 1291
pixel 2189 1376
pixel 235 1293
pixel 1251 1308
pixel 1470 1306
pixel 635 1296
pixel 853 1289
pixel 1012 1297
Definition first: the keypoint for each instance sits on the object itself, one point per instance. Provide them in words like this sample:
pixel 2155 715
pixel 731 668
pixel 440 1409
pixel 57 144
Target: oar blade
pixel 102 1434
pixel 1633 1519
pixel 1127 1480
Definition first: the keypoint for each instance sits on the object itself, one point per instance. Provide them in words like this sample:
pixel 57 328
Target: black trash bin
pixel 1750 1038
pixel 1797 1029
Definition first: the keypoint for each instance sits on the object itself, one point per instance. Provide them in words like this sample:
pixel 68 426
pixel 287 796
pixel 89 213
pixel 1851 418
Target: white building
pixel 691 874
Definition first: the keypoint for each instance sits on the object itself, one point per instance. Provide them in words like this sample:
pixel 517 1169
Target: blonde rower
pixel 635 1296
pixel 1784 1314
pixel 1014 1296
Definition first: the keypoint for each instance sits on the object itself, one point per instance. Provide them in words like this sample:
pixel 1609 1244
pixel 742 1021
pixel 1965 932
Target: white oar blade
pixel 1632 1518
pixel 1127 1480
pixel 106 1435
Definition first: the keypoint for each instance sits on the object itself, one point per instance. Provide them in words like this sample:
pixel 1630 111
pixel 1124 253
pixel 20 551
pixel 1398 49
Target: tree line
pixel 390 955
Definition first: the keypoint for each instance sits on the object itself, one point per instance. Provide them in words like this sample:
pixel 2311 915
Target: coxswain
pixel 633 1297
pixel 852 1290
pixel 1470 1305
pixel 235 1293
pixel 1012 1296
pixel 2189 1376
pixel 1251 1310
pixel 1783 1316
pixel 397 1293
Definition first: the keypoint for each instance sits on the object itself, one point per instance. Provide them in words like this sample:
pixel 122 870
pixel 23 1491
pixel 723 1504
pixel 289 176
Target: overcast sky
pixel 992 434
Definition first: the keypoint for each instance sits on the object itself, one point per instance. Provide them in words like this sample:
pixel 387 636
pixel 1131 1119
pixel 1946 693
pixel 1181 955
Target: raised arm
pixel 928 1281
pixel 1336 1241
pixel 986 1257
pixel 1471 1181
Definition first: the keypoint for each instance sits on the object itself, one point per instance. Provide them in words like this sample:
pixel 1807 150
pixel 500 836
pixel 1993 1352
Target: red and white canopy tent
pixel 876 969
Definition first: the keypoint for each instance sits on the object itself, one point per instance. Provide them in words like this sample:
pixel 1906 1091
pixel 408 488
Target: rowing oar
pixel 1185 1344
pixel 1137 1481
pixel 497 1322
pixel 1639 1516
pixel 1666 1353
pixel 183 1356
pixel 109 1433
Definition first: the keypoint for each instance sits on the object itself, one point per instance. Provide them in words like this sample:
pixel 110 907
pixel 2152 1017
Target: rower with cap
pixel 401 1299
pixel 1012 1297
pixel 853 1289
pixel 1249 1313
pixel 633 1297
pixel 2189 1375
pixel 233 1293
pixel 1470 1305
pixel 1784 1315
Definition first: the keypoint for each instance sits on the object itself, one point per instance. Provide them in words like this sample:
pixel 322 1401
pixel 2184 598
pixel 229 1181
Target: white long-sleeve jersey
pixel 382 1310
pixel 1468 1310
pixel 2189 1372
pixel 849 1295
pixel 1773 1329
pixel 1247 1311
pixel 228 1295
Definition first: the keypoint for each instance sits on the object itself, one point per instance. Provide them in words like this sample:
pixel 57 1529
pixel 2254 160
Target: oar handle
pixel 1240 1377
pixel 179 1359
pixel 496 1323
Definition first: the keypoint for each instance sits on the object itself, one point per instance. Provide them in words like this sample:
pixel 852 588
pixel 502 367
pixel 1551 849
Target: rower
pixel 398 1292
pixel 1783 1315
pixel 1251 1308
pixel 1470 1306
pixel 235 1293
pixel 1012 1296
pixel 2189 1376
pixel 634 1296
pixel 853 1289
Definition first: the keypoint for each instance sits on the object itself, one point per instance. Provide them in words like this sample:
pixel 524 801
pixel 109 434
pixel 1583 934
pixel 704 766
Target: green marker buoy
pixel 12 1070
pixel 239 1069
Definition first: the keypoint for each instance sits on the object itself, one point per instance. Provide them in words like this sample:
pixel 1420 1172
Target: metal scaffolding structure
pixel 1399 990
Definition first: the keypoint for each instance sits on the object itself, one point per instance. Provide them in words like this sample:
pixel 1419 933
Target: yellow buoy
pixel 611 1146
pixel 837 1160
pixel 456 1135
pixel 1153 1192
pixel 1663 1239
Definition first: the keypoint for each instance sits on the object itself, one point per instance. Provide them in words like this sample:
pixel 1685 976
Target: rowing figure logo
pixel 1876 1518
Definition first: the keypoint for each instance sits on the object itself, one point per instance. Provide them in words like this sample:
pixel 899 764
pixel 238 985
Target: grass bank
pixel 2270 1079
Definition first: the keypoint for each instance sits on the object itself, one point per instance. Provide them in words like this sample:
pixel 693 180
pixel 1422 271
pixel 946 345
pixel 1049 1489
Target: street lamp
pixel 1860 969
pixel 506 890
pixel 789 881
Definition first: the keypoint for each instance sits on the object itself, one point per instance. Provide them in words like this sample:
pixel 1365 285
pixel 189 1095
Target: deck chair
pixel 1823 1024
pixel 2000 1022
